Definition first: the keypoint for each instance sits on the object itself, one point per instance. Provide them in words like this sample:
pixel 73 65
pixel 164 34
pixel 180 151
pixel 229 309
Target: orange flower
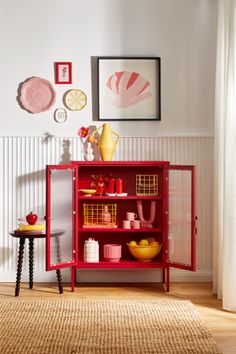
pixel 92 139
pixel 83 132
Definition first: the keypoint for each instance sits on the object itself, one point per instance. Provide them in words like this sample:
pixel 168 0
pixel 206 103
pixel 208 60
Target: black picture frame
pixel 129 88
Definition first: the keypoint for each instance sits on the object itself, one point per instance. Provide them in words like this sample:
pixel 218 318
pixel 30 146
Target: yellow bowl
pixel 88 192
pixel 144 253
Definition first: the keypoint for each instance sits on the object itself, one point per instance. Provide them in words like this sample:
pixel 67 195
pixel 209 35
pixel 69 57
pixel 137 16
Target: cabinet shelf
pixel 94 229
pixel 129 197
pixel 119 265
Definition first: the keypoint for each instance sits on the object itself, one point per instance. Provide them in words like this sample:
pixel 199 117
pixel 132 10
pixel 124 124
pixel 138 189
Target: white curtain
pixel 224 275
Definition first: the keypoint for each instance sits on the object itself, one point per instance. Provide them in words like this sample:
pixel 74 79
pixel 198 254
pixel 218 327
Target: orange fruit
pixel 150 239
pixel 144 242
pixel 154 243
pixel 132 243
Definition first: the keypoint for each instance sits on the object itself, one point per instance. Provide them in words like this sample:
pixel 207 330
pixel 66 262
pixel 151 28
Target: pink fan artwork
pixel 128 88
pixel 37 95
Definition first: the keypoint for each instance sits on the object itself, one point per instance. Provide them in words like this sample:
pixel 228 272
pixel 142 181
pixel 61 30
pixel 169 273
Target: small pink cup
pixel 112 252
pixel 131 216
pixel 137 224
pixel 127 224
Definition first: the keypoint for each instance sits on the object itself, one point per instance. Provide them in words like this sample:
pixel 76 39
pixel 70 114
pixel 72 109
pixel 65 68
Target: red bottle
pixel 119 186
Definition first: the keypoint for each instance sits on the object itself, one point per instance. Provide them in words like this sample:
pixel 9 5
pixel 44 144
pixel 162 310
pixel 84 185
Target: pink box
pixel 112 252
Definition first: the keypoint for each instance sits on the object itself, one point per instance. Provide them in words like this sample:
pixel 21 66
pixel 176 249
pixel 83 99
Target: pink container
pixel 112 252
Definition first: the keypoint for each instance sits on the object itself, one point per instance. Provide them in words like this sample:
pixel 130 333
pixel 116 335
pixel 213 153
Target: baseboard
pixel 199 276
pixel 112 276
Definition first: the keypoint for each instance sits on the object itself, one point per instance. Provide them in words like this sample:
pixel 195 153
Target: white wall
pixel 35 34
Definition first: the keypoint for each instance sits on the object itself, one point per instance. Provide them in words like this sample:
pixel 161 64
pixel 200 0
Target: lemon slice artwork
pixel 75 100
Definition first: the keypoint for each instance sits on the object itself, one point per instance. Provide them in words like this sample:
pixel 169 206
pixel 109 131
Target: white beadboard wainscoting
pixel 22 180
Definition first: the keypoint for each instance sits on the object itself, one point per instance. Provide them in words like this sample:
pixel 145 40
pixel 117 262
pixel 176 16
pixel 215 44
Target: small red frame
pixel 63 72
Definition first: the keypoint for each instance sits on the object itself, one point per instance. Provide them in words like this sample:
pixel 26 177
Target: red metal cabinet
pixel 174 224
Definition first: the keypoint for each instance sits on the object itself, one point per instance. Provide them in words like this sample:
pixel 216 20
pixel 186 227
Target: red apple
pixel 31 218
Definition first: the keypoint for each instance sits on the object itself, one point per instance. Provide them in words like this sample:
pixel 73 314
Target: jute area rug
pixel 100 326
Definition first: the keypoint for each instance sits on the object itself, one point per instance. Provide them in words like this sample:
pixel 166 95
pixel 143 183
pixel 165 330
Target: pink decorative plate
pixel 37 95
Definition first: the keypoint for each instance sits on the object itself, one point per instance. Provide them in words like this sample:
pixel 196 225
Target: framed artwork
pixel 129 88
pixel 63 73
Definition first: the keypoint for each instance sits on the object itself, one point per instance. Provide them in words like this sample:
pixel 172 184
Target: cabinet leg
pixel 31 262
pixel 59 280
pixel 19 265
pixel 73 279
pixel 168 279
pixel 163 275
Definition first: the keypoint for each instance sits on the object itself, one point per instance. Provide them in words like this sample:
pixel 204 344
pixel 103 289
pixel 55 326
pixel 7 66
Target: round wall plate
pixel 60 115
pixel 37 95
pixel 75 100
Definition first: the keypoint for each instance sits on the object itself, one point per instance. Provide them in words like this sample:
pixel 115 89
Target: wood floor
pixel 222 324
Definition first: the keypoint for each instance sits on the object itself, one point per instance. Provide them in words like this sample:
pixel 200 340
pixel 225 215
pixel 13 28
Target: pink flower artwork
pixel 128 88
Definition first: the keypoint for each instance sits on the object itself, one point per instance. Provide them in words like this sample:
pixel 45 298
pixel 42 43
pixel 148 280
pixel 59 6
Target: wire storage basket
pixel 147 185
pixel 100 215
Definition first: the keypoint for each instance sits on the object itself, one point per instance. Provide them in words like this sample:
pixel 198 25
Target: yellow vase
pixel 107 143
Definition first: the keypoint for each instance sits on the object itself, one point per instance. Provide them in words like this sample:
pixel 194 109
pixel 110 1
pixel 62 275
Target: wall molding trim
pixel 22 181
pixel 100 276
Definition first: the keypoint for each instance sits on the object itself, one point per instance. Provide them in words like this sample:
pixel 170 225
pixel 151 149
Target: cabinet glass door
pixel 60 216
pixel 182 218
